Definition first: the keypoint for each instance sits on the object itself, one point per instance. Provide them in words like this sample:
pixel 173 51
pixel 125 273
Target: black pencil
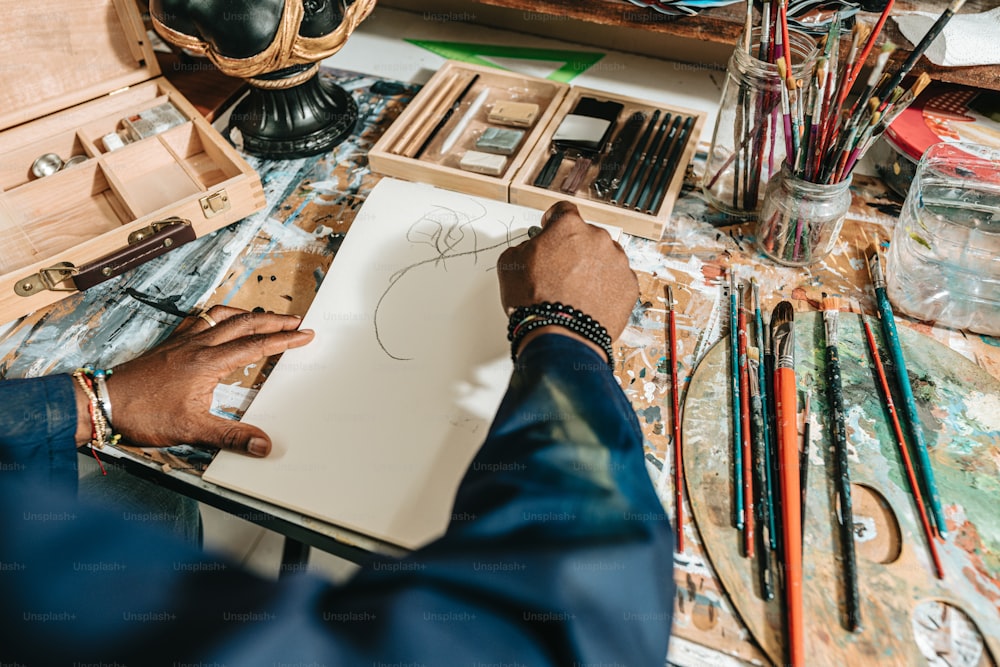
pixel 645 165
pixel 659 164
pixel 667 173
pixel 634 159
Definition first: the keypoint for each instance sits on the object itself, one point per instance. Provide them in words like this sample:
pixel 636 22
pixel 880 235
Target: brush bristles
pixel 831 309
pixel 829 302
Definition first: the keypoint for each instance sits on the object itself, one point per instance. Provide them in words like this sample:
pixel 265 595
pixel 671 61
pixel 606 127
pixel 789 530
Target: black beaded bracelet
pixel 528 318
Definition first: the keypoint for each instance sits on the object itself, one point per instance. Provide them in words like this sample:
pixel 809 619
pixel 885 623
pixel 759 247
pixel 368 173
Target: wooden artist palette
pixel 908 616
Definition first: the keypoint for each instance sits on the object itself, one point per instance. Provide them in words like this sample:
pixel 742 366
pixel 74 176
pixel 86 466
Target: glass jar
pixel 943 263
pixel 800 221
pixel 748 143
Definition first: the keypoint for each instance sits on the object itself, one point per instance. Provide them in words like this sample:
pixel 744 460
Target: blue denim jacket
pixel 559 553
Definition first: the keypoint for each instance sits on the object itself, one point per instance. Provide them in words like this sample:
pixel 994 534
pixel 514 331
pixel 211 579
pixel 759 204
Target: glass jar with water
pixel 943 265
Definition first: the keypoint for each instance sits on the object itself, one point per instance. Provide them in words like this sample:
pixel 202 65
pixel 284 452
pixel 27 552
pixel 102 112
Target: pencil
pixel 903 384
pixel 903 452
pixel 667 173
pixel 783 339
pixel 734 372
pixel 446 117
pixel 404 144
pixel 659 164
pixel 835 396
pixel 649 158
pixel 676 415
pixel 633 160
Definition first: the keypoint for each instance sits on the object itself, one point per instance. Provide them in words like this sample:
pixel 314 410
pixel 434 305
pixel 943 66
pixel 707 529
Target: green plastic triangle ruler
pixel 564 65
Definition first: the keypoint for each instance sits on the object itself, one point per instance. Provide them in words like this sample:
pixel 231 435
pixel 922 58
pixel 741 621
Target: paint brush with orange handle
pixel 786 407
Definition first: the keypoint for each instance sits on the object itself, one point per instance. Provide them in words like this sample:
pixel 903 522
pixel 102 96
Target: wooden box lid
pixel 60 53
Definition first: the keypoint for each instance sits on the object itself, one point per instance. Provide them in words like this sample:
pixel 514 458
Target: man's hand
pixel 573 263
pixel 163 397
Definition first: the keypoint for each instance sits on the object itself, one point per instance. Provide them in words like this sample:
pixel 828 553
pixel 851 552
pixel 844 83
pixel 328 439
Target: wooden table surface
pixel 276 259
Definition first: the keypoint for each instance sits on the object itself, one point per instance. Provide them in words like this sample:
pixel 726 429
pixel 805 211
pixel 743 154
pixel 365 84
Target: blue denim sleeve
pixel 38 431
pixel 558 553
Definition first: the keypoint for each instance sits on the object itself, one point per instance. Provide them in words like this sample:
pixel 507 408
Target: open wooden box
pixel 72 71
pixel 413 146
pixel 459 85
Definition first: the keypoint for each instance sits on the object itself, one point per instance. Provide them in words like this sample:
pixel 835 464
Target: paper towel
pixel 968 39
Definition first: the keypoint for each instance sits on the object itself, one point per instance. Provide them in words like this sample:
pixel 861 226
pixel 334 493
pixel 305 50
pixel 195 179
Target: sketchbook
pixel 375 422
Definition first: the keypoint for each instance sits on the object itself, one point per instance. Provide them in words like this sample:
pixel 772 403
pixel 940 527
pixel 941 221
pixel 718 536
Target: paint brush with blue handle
pixel 903 382
pixel 734 359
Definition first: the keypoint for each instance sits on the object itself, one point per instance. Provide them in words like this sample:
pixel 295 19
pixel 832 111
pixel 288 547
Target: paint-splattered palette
pixel 908 616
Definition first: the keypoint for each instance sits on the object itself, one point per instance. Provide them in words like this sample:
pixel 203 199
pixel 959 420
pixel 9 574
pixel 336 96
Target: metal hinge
pixel 47 279
pixel 140 235
pixel 215 203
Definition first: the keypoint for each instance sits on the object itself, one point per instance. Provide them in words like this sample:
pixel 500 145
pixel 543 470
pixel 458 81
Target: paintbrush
pixel 903 384
pixel 904 69
pixel 903 452
pixel 760 464
pixel 676 415
pixel 786 406
pixel 764 369
pixel 748 500
pixel 838 432
pixel 734 372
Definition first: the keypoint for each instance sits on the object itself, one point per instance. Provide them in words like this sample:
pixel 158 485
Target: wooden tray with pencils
pixel 534 142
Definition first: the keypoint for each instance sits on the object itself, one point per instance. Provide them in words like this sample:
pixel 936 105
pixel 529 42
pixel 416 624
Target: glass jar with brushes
pixel 748 143
pixel 799 220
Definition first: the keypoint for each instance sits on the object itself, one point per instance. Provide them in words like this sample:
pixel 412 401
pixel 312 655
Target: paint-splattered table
pixel 275 259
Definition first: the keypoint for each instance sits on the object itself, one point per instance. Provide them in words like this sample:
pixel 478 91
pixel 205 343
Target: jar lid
pixel 947 112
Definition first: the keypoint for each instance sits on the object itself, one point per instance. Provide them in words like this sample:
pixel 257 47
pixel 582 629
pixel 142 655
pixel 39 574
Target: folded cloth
pixel 968 39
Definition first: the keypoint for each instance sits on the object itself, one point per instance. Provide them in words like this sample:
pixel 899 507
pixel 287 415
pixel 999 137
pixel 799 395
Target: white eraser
pixel 483 163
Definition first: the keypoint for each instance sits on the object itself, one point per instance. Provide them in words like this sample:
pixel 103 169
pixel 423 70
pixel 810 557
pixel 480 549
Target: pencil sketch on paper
pixel 448 234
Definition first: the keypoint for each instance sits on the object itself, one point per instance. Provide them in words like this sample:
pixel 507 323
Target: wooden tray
pixel 72 73
pixel 399 152
pixel 645 223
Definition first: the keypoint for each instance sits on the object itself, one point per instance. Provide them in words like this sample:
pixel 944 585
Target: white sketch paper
pixel 375 422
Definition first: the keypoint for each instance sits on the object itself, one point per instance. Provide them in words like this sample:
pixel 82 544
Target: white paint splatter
pixel 649 391
pixel 984 409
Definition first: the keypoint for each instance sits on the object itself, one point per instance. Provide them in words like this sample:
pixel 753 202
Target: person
pixel 559 551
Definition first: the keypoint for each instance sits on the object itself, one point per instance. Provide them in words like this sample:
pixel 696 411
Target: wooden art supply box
pixel 494 133
pixel 96 175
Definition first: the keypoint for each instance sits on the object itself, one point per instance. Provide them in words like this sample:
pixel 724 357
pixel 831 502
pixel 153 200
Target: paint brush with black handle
pixel 760 464
pixel 838 432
